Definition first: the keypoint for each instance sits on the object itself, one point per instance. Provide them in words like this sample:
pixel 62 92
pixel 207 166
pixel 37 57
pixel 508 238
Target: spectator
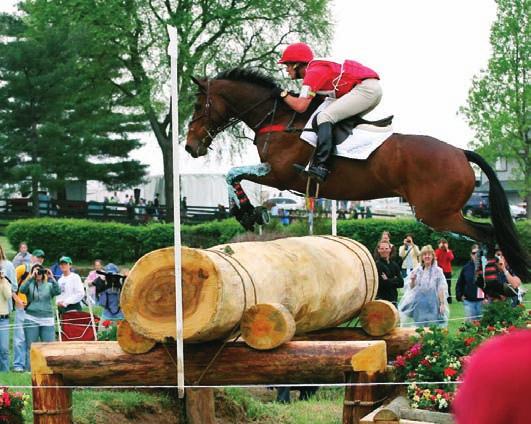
pixel 466 289
pixel 156 205
pixel 108 288
pixel 5 301
pixel 508 278
pixel 389 277
pixel 56 269
pixel 425 299
pixel 23 273
pixel 221 213
pixel 72 290
pixel 130 207
pixel 23 256
pixel 495 382
pixel 40 289
pixel 385 236
pixel 444 259
pixel 93 275
pixel 409 252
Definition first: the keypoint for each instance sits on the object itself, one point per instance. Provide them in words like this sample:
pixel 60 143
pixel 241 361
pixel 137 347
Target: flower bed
pixel 437 358
pixel 11 406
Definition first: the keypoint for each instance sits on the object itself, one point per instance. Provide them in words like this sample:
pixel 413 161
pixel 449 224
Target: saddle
pixel 343 129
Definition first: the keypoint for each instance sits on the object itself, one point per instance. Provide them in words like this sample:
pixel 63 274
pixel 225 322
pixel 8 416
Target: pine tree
pixel 59 119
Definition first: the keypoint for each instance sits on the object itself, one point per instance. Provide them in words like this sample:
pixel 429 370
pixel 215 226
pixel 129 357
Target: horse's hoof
pixel 261 215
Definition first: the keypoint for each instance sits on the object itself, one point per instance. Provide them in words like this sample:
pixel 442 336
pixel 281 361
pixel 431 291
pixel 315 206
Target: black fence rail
pixel 104 211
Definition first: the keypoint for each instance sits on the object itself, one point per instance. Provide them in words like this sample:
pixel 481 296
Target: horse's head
pixel 210 114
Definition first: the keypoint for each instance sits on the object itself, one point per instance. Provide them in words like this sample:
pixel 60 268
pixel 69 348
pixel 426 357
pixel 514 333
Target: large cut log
pixel 398 341
pixel 379 317
pixel 322 281
pixel 105 363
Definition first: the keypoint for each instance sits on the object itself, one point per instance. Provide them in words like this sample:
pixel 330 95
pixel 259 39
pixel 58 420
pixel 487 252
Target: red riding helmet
pixel 297 52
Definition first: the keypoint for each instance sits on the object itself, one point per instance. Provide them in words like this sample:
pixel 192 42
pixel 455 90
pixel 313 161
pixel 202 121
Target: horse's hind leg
pixel 246 214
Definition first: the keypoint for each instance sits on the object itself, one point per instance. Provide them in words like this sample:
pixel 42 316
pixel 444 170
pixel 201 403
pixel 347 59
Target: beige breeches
pixel 363 98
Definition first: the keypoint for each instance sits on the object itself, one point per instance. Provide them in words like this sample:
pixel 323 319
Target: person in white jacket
pixel 72 290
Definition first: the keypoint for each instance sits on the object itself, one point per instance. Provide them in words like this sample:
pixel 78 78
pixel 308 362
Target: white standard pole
pixel 172 52
pixel 334 217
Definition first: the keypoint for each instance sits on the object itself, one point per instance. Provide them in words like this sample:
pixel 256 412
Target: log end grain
pixel 267 325
pixel 379 317
pixel 372 359
pixel 148 295
pixel 132 342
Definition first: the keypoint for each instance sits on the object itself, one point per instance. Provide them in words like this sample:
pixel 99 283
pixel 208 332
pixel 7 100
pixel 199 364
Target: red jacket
pixel 326 75
pixel 444 259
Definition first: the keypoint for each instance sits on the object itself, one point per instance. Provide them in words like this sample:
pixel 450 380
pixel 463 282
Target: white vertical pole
pixel 334 217
pixel 172 52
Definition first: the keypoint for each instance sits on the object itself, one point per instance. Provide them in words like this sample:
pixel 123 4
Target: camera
pixel 111 281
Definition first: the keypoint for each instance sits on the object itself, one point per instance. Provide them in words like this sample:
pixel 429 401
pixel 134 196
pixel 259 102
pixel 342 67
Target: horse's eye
pixel 197 107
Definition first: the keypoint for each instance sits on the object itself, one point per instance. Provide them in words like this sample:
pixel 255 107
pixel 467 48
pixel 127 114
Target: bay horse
pixel 434 177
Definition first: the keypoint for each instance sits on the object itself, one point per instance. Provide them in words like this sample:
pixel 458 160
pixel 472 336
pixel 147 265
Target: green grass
pixel 324 408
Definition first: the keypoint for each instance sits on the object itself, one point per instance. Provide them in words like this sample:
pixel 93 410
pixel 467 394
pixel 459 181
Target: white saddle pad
pixel 364 140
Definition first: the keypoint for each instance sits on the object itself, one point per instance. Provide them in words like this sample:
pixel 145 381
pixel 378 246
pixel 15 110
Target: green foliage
pixel 502 313
pixel 61 115
pixel 497 106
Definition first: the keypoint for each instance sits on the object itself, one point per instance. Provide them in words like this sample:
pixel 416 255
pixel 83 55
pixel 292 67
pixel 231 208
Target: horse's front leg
pixel 246 214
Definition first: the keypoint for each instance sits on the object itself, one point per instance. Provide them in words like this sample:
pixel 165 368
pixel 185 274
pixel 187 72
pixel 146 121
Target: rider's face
pixel 291 69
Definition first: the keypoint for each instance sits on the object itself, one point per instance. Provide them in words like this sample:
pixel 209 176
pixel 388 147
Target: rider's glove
pixel 275 93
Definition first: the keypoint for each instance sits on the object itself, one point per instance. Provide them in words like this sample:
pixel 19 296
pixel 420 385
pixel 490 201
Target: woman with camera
pixel 40 289
pixel 409 252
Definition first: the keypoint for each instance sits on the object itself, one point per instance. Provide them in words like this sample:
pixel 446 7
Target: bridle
pixel 238 116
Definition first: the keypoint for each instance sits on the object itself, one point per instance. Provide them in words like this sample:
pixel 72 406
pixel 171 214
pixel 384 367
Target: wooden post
pixel 368 366
pixel 51 405
pixel 200 406
pixel 361 400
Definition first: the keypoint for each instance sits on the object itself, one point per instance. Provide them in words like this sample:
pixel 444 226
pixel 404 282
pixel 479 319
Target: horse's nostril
pixel 189 149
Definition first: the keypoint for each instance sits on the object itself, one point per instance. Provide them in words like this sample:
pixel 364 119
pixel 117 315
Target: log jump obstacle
pixel 283 296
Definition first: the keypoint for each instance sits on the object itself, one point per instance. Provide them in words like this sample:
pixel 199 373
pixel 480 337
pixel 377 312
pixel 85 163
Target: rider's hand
pixel 275 92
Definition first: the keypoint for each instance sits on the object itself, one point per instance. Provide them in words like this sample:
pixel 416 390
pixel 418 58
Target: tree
pixel 497 102
pixel 60 121
pixel 213 35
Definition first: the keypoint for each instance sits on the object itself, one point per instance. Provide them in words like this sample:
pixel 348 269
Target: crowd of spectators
pixel 425 275
pixel 34 295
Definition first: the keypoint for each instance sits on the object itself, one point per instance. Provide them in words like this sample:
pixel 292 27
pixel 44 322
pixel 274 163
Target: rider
pixel 356 87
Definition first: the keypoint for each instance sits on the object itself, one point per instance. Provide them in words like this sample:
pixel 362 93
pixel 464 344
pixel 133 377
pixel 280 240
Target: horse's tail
pixel 502 221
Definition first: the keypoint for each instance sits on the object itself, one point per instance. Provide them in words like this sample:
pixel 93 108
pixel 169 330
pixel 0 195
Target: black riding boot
pixel 325 144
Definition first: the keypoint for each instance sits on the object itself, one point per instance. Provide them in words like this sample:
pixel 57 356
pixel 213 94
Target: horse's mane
pixel 252 76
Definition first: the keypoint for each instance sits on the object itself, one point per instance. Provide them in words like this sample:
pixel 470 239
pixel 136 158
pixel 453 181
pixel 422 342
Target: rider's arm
pixel 298 104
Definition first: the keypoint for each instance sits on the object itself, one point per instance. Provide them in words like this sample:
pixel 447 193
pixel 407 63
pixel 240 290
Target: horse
pixel 434 177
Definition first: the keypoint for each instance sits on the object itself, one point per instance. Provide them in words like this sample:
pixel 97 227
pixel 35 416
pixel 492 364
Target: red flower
pixel 6 399
pixel 511 329
pixel 491 328
pixel 449 372
pixel 400 361
pixel 425 362
pixel 106 323
pixel 469 341
pixel 411 374
pixel 476 323
pixel 415 349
